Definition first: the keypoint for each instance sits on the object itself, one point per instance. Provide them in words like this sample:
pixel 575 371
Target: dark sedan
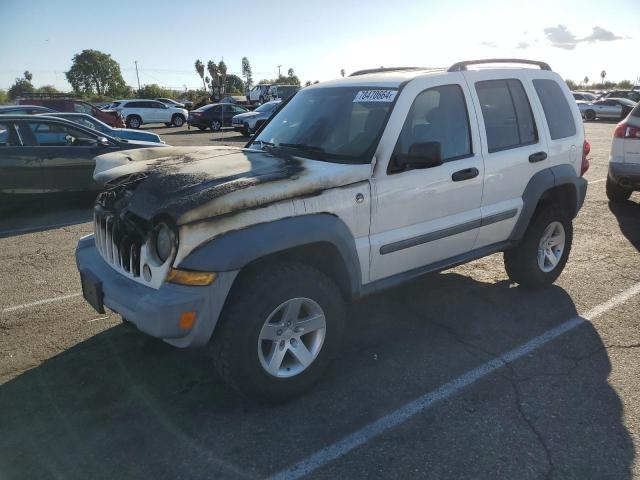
pixel 46 155
pixel 214 116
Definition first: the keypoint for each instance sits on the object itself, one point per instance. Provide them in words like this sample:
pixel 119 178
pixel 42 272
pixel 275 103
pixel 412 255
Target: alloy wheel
pixel 551 246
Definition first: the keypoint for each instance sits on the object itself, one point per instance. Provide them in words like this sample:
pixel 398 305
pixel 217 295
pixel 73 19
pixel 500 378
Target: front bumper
pixel 626 175
pixel 157 312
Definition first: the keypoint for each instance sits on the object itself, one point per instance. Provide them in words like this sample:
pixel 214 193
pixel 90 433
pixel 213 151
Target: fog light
pixel 187 320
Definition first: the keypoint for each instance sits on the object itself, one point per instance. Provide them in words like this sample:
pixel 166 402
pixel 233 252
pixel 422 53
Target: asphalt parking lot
pixel 455 375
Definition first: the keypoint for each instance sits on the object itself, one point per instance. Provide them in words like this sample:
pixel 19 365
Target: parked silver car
pixel 616 108
pixel 249 122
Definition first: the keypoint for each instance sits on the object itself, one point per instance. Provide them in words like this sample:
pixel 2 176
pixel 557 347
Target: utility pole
pixel 137 76
pixel 279 70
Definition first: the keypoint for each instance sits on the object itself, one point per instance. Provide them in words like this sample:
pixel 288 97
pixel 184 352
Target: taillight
pixel 586 148
pixel 624 130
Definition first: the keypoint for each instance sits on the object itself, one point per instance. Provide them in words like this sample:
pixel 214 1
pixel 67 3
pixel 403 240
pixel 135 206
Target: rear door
pixel 65 155
pixel 159 112
pixel 512 146
pixel 20 171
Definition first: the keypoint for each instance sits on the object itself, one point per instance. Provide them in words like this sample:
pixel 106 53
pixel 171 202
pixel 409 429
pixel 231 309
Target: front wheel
pixel 216 125
pixel 280 328
pixel 133 121
pixel 590 115
pixel 616 193
pixel 541 255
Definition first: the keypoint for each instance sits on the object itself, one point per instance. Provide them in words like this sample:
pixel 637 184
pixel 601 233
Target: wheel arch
pixel 558 184
pixel 320 240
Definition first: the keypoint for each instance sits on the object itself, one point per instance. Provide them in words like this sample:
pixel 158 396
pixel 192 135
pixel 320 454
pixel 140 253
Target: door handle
pixel 466 174
pixel 537 157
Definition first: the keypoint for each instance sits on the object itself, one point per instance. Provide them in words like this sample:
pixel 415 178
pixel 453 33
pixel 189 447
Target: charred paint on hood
pixel 193 184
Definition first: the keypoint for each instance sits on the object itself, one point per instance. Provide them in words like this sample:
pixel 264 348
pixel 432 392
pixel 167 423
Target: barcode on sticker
pixel 375 96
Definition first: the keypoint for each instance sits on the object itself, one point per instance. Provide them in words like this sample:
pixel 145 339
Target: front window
pixel 266 107
pixel 341 124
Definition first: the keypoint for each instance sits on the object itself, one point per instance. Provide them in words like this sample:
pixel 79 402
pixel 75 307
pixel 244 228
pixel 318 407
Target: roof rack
pixel 461 66
pixel 390 69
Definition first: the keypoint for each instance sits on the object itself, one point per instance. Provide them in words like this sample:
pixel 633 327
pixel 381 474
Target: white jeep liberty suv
pixel 355 185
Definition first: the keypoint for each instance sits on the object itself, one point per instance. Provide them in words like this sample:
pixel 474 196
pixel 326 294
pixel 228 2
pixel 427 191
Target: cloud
pixel 601 35
pixel 522 45
pixel 489 44
pixel 560 37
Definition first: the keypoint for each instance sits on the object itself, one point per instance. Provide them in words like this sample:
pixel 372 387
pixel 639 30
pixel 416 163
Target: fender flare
pixel 540 183
pixel 235 249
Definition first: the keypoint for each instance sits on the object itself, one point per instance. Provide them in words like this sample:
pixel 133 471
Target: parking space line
pixel 597 181
pixel 404 413
pixel 40 302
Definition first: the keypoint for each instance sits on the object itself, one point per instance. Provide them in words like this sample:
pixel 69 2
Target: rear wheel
pixel 167 124
pixel 616 193
pixel 177 120
pixel 216 125
pixel 590 115
pixel 134 121
pixel 280 328
pixel 541 255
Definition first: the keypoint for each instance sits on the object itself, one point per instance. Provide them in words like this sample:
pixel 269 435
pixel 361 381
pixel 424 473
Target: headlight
pixel 164 240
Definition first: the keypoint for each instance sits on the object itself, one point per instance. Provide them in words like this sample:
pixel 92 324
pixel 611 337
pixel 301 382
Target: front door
pixel 427 215
pixel 20 171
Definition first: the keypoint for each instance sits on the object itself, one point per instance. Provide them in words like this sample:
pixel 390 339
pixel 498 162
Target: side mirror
pixel 103 142
pixel 421 155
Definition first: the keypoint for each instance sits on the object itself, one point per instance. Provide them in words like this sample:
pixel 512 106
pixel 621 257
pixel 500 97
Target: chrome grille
pixel 119 248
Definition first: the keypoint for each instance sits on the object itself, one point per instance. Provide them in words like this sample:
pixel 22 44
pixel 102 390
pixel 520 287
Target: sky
pixel 315 38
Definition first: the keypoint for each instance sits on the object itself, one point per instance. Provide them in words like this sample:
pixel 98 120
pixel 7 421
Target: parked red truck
pixel 69 104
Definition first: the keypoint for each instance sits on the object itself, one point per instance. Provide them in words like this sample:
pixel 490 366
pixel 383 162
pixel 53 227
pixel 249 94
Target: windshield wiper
pixel 302 146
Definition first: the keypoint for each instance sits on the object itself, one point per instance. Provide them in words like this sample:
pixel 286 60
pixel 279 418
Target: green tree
pixel 625 85
pixel 200 69
pixel 585 82
pixel 212 68
pixel 93 71
pixel 571 84
pixel 222 68
pixel 235 85
pixel 47 89
pixel 246 73
pixel 603 74
pixel 342 72
pixel 155 91
pixel 4 98
pixel 21 86
pixel 307 83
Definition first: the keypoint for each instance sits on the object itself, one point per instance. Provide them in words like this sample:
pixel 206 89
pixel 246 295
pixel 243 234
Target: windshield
pixel 341 124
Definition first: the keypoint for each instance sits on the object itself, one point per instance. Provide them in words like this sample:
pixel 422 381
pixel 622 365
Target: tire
pixel 216 125
pixel 590 115
pixel 616 193
pixel 524 263
pixel 257 297
pixel 245 131
pixel 167 124
pixel 133 121
pixel 177 120
pixel 202 129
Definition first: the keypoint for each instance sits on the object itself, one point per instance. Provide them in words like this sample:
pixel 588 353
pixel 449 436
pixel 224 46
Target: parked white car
pixel 138 112
pixel 259 94
pixel 624 162
pixel 354 186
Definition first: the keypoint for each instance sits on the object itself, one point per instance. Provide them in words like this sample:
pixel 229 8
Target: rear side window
pixel 506 110
pixel 556 109
pixel 9 136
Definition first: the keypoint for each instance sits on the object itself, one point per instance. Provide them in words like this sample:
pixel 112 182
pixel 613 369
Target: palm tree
pixel 200 70
pixel 214 72
pixel 586 81
pixel 342 72
pixel 602 75
pixel 222 68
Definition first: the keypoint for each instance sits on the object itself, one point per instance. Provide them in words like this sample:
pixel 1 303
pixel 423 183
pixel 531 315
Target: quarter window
pixel 506 110
pixel 9 135
pixel 438 115
pixel 556 109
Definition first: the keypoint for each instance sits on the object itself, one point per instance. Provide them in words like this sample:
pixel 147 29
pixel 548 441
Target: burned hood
pixel 194 183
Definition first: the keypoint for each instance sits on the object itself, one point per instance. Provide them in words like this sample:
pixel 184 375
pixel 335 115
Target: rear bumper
pixel 626 175
pixel 157 312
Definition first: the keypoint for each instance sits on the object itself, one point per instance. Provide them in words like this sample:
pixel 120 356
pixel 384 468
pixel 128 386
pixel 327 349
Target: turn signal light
pixel 187 320
pixel 586 148
pixel 190 277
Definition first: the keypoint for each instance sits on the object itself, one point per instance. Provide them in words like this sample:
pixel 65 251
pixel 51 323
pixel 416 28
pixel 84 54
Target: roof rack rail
pixel 387 69
pixel 462 66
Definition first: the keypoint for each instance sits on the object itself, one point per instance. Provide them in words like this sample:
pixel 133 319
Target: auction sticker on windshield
pixel 375 96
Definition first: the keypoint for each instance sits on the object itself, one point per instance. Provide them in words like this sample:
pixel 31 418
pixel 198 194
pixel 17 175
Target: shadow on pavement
pixel 43 214
pixel 121 405
pixel 628 216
